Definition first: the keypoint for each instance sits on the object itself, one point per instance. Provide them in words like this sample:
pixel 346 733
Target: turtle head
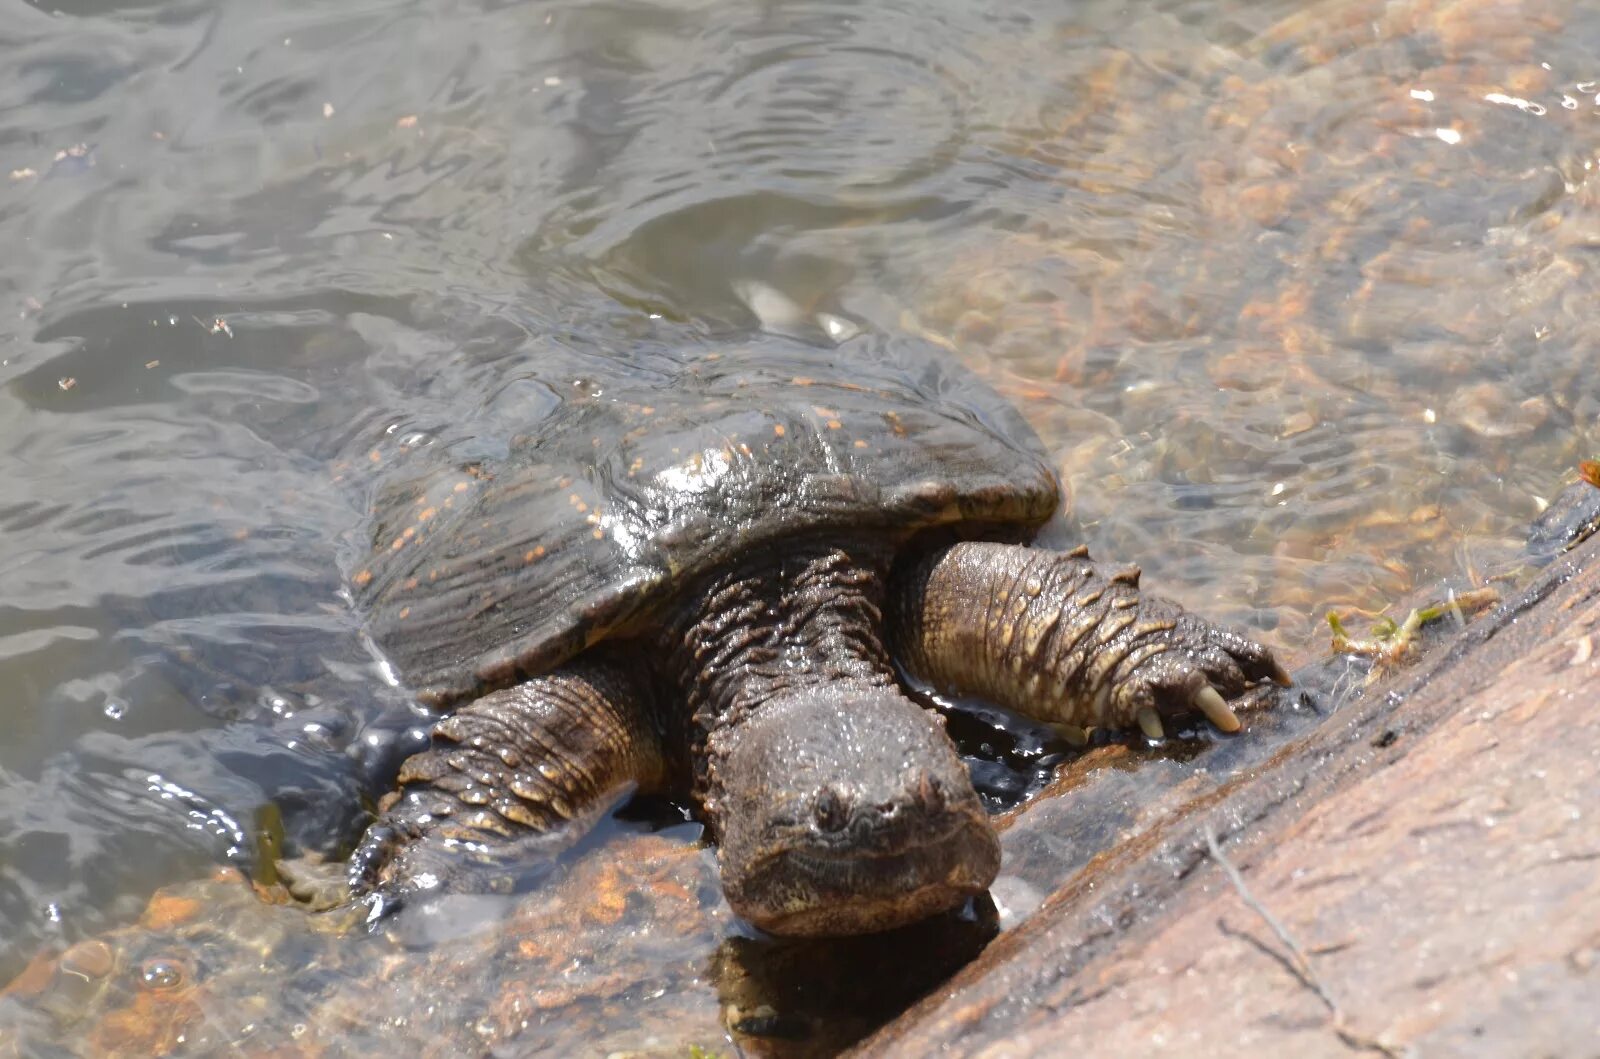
pixel 844 809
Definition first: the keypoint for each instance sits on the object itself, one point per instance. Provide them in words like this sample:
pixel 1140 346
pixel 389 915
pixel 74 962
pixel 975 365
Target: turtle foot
pixel 510 780
pixel 319 884
pixel 1063 639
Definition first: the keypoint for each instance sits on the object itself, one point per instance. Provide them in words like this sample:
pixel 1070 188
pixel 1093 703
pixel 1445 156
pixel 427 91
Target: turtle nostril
pixel 830 811
pixel 931 793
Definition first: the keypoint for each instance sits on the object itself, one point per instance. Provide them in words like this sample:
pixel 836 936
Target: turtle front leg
pixel 515 775
pixel 1063 639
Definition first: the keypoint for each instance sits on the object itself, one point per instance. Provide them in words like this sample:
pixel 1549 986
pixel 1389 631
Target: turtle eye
pixel 830 811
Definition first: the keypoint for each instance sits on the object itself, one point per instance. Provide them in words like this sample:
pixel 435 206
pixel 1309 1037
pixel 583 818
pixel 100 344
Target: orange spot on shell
pixel 599 533
pixel 834 424
pixel 860 444
pixel 405 612
pixel 411 583
pixel 532 553
pixel 400 542
pixel 411 531
pixel 778 430
pixel 363 578
pixel 426 515
pixel 461 487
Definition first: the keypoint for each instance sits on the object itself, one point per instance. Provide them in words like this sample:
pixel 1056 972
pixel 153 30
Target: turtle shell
pixel 485 572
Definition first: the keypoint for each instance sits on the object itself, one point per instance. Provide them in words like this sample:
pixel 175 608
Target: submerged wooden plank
pixel 1420 873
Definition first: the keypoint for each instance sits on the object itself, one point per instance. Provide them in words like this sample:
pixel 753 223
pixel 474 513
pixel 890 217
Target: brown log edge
pixel 1419 875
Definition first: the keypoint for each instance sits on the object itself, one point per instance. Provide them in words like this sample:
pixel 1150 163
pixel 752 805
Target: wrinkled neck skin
pixel 839 805
pixel 793 619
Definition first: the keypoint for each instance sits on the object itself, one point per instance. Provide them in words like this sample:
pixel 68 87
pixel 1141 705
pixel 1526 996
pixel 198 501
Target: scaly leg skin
pixel 1062 639
pixel 514 776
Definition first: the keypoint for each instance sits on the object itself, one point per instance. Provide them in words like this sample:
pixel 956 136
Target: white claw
pixel 1211 703
pixel 1150 724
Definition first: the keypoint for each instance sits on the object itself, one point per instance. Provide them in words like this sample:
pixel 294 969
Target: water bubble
pixel 115 709
pixel 161 974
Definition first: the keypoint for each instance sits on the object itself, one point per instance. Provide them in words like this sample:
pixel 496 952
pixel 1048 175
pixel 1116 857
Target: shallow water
pixel 1298 296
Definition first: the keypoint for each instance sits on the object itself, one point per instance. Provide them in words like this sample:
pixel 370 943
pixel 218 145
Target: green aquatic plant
pixel 1389 643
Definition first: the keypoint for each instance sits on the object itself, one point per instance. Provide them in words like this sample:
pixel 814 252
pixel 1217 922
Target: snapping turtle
pixel 711 583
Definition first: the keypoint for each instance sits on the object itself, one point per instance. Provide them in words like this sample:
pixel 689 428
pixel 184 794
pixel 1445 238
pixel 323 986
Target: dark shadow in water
pixel 815 996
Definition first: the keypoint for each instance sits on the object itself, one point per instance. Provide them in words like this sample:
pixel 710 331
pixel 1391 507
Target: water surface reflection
pixel 1298 295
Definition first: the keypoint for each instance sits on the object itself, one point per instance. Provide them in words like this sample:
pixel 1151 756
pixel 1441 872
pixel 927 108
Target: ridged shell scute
pixel 601 510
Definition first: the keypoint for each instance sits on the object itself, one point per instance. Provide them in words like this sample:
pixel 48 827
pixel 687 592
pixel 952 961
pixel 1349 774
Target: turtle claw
pixel 1279 675
pixel 1209 701
pixel 1150 723
pixel 1075 735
